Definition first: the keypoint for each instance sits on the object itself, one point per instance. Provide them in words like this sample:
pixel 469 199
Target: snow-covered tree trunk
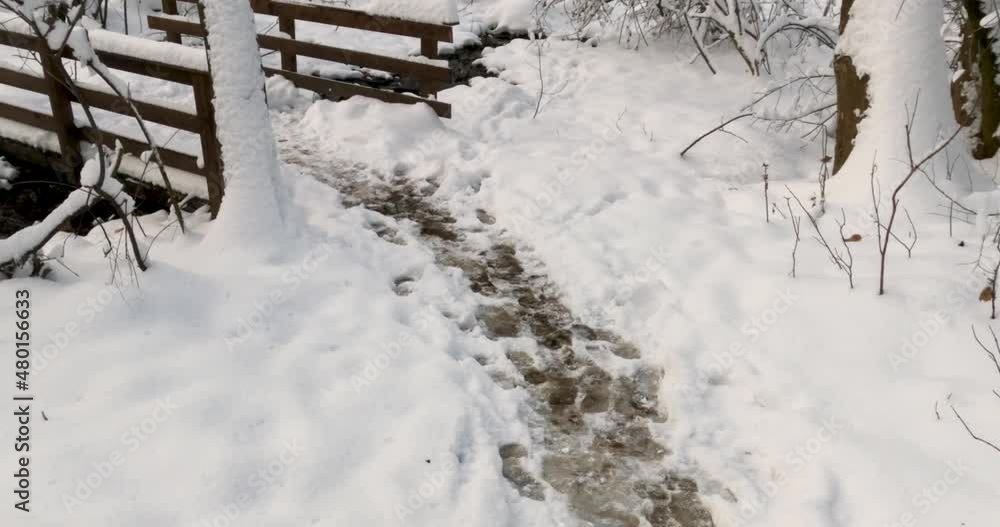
pixel 252 209
pixel 976 91
pixel 900 49
pixel 852 97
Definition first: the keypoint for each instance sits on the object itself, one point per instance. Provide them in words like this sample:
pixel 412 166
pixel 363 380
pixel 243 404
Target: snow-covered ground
pixel 301 389
pixel 296 390
pixel 796 401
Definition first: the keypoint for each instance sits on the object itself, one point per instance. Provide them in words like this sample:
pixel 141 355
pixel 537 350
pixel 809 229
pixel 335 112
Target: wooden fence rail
pixel 62 122
pixel 430 77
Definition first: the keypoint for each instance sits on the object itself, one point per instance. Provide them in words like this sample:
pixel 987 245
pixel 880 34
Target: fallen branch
pixel 713 130
pixel 16 250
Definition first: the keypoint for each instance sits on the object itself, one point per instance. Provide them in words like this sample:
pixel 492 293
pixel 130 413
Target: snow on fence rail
pixel 430 77
pixel 133 55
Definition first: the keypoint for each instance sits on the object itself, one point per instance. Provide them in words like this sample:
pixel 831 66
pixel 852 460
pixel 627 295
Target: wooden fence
pixel 61 120
pixel 200 120
pixel 430 77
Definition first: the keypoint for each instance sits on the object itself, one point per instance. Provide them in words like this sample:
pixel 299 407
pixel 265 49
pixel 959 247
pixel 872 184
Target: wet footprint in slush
pixel 403 285
pixel 527 486
pixel 384 231
pixel 485 217
pixel 498 322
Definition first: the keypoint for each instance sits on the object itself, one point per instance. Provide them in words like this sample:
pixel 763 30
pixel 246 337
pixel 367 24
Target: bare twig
pixel 973 434
pixel 844 263
pixel 713 130
pixel 541 80
pixel 767 205
pixel 915 167
pixel 993 354
pixel 797 229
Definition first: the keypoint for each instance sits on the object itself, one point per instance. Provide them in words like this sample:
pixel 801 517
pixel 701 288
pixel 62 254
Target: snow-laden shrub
pixel 750 27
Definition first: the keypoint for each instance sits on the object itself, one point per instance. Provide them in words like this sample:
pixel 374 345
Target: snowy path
pixel 593 399
pixel 674 256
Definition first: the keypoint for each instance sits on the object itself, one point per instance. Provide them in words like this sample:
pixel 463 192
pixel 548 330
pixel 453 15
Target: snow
pixel 792 402
pixel 7 174
pixel 433 11
pixel 184 182
pixel 162 52
pixel 24 241
pixel 353 405
pixel 335 400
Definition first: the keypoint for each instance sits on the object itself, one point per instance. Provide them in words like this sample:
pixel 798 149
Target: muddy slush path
pixel 598 449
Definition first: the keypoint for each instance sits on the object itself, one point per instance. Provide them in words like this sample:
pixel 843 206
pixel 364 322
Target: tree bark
pixel 978 82
pixel 963 101
pixel 852 98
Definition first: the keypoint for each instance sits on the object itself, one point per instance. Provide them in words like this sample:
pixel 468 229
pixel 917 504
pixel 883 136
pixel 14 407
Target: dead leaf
pixel 854 238
pixel 986 295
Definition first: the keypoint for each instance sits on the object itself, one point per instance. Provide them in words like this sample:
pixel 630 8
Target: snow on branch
pixel 750 26
pixel 7 174
pixel 96 186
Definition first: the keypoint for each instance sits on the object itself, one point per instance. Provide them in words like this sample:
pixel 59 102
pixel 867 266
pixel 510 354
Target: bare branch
pixel 713 130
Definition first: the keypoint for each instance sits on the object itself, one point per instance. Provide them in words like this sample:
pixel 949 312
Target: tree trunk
pixel 907 111
pixel 976 92
pixel 964 92
pixel 852 98
pixel 252 210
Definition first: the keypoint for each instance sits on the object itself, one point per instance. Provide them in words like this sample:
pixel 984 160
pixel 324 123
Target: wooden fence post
pixel 211 152
pixel 429 49
pixel 289 61
pixel 170 8
pixel 62 111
